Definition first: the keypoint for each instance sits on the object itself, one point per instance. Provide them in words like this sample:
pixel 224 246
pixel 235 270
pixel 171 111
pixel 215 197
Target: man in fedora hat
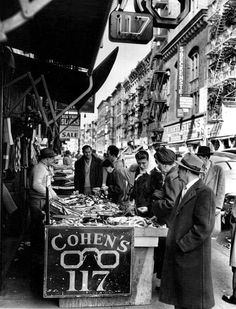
pixel 213 176
pixel 186 277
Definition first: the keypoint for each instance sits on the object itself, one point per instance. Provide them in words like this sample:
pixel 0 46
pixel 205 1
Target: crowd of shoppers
pixel 181 193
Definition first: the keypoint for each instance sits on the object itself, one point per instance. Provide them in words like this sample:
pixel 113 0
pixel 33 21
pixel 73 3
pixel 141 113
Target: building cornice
pixel 186 34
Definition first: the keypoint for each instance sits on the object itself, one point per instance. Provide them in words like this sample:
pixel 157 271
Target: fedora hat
pixel 47 153
pixel 191 162
pixel 204 151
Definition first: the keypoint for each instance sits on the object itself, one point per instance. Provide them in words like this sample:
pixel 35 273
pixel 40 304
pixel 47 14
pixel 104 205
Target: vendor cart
pixel 100 266
pixel 96 255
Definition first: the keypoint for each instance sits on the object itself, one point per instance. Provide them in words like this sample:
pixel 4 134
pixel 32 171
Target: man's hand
pixel 142 209
pixel 158 194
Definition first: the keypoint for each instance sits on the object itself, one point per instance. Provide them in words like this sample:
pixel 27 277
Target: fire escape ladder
pixel 221 24
pixel 158 104
pixel 218 99
pixel 219 61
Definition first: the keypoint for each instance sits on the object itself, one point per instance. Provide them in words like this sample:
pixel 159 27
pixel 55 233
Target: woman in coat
pixel 186 276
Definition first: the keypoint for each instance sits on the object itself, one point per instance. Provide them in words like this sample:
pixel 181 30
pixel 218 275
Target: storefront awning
pixel 64 85
pixel 68 32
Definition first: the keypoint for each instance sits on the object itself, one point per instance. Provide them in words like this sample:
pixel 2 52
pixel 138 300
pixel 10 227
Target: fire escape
pixel 158 101
pixel 221 59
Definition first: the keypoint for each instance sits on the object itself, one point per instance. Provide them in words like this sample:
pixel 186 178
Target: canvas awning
pixel 64 85
pixel 68 32
pixel 61 43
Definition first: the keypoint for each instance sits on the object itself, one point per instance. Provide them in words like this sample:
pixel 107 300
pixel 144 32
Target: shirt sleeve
pixel 39 180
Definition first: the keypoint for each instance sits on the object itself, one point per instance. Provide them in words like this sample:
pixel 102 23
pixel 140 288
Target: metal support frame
pixel 39 100
pixel 54 116
pixel 22 97
pixel 73 103
pixel 33 86
pixel 50 102
pixel 28 10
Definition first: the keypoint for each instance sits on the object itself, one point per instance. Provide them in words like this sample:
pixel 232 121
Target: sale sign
pixel 87 261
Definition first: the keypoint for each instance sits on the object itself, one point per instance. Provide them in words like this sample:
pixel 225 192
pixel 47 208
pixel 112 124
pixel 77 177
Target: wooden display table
pixel 100 266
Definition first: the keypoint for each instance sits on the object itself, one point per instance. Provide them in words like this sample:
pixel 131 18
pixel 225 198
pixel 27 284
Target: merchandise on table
pixel 63 178
pixel 84 210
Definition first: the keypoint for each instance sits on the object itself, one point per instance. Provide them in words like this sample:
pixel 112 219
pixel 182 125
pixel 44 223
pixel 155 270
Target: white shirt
pixel 188 186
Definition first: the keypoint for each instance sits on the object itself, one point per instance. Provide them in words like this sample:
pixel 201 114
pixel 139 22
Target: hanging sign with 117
pixel 87 261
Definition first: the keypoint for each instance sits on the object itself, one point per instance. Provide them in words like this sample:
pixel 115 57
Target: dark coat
pixel 162 207
pixel 215 179
pixel 156 181
pixel 141 192
pixel 116 186
pixel 95 173
pixel 186 277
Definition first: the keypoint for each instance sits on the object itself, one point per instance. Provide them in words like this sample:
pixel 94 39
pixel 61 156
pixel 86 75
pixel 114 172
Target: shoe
pixel 229 299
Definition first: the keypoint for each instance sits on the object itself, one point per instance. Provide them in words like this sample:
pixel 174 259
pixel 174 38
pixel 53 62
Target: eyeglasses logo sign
pixel 87 261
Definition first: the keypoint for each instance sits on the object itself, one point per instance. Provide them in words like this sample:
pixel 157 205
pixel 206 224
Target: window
pixel 195 96
pixel 194 63
pixel 168 82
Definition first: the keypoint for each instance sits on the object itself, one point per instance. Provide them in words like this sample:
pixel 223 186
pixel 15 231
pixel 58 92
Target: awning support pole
pixel 76 100
pixel 50 102
pixel 39 101
pixel 16 80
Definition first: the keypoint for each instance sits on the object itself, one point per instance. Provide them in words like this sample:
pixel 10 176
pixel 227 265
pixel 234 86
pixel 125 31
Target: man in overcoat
pixel 164 199
pixel 88 171
pixel 231 299
pixel 214 178
pixel 186 277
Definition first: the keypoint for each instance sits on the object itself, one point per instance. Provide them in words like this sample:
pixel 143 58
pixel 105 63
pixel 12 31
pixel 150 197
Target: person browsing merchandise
pixel 186 280
pixel 88 171
pixel 115 185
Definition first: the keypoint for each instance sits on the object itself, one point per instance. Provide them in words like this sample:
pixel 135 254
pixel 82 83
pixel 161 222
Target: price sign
pixel 87 261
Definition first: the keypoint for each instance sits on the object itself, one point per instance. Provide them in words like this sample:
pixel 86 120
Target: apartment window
pixel 167 82
pixel 194 63
pixel 195 96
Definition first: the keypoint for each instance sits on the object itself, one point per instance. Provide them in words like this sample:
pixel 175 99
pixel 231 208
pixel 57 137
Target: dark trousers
pixel 37 229
pixel 37 217
pixel 159 253
pixel 234 281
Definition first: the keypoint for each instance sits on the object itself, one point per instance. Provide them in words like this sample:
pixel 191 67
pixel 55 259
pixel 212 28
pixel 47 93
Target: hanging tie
pixel 183 192
pixel 17 162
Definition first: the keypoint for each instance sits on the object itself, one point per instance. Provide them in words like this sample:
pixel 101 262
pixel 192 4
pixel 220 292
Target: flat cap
pixel 47 153
pixel 165 155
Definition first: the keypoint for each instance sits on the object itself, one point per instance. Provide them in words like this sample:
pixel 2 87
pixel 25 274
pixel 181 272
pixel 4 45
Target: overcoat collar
pixel 189 194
